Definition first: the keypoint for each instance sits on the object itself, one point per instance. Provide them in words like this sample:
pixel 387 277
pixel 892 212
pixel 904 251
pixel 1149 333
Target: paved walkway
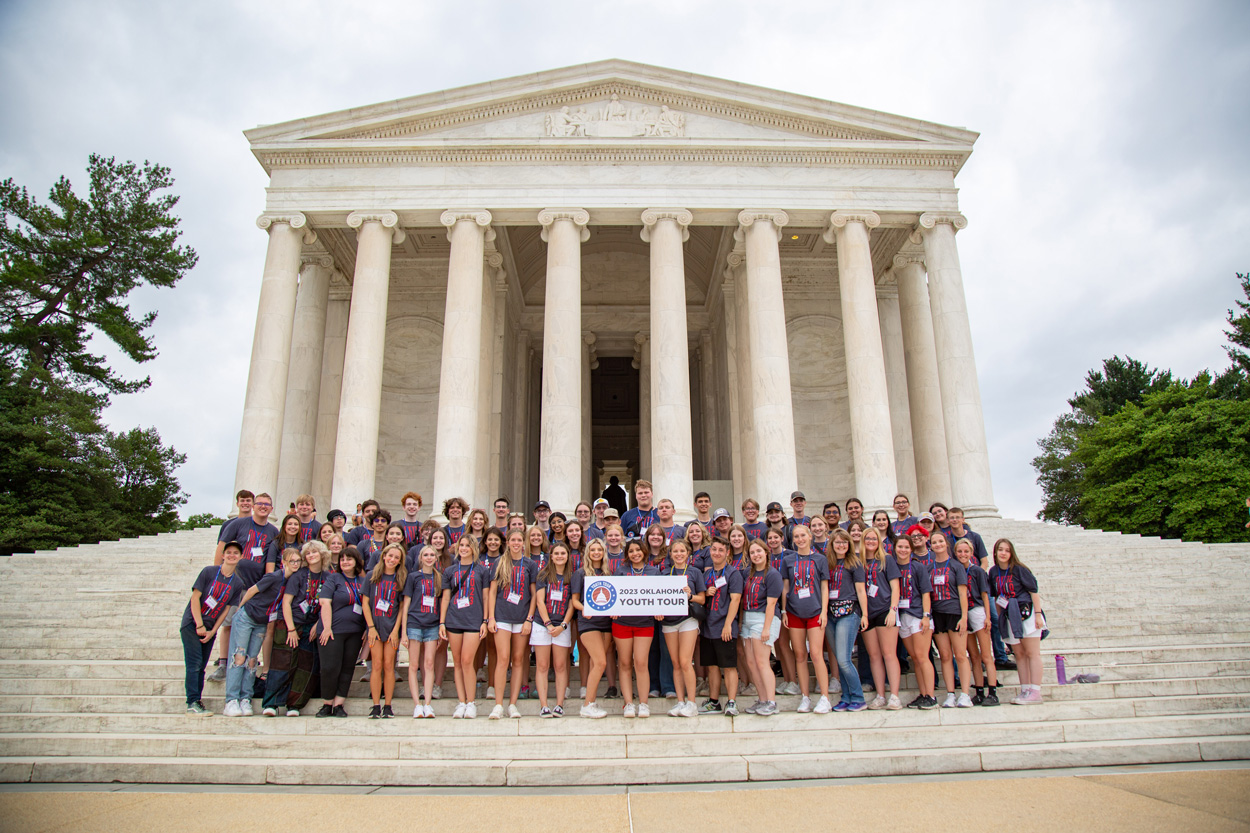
pixel 1189 801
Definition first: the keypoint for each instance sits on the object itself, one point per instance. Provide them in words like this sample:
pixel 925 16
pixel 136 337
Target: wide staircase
pixel 91 689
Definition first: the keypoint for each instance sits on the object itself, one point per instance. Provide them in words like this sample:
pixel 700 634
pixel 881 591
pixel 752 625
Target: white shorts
pixel 541 636
pixel 976 619
pixel 909 625
pixel 687 624
pixel 753 627
pixel 1032 628
pixel 509 627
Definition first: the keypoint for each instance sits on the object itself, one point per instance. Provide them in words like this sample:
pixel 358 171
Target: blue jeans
pixel 246 637
pixel 996 639
pixel 660 664
pixel 197 655
pixel 841 638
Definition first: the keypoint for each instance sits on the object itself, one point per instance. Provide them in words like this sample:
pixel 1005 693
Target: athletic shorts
pixel 718 653
pixel 976 619
pixel 753 627
pixel 877 620
pixel 687 624
pixel 1032 628
pixel 539 635
pixel 423 634
pixel 510 627
pixel 461 630
pixel 620 631
pixel 793 621
pixel 945 622
pixel 909 625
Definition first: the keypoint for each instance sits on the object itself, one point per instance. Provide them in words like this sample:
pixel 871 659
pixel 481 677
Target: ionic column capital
pixel 931 219
pixel 321 259
pixel 748 217
pixel 904 258
pixel 580 217
pixel 839 219
pixel 481 217
pixel 681 216
pixel 494 260
pixel 388 219
pixel 294 219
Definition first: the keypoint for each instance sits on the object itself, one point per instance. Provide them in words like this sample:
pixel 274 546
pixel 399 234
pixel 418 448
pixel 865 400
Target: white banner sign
pixel 634 596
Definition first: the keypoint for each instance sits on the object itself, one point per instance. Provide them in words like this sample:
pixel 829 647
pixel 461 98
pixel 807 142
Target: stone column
pixel 589 363
pixel 746 393
pixel 896 388
pixel 924 395
pixel 776 468
pixel 337 311
pixel 303 382
pixel 260 437
pixel 360 405
pixel 733 401
pixel 711 411
pixel 486 381
pixel 499 294
pixel 872 440
pixel 672 461
pixel 521 422
pixel 642 361
pixel 459 398
pixel 560 450
pixel 957 368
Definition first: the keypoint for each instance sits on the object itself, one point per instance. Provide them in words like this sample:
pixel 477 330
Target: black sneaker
pixel 325 711
pixel 991 699
pixel 927 703
pixel 375 711
pixel 1005 665
pixel 710 706
pixel 339 711
pixel 978 699
pixel 917 703
pixel 386 711
pixel 612 693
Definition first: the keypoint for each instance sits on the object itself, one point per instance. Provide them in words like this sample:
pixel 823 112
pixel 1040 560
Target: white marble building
pixel 524 286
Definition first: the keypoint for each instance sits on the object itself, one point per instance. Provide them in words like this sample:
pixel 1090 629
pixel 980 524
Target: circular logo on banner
pixel 600 596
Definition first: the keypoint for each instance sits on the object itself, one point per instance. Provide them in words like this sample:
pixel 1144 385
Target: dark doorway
pixel 614 413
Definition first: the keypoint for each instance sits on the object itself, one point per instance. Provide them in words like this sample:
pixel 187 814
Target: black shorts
pixel 718 652
pixel 945 622
pixel 462 630
pixel 877 620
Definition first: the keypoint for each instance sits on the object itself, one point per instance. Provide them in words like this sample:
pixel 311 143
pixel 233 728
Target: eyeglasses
pixel 263 505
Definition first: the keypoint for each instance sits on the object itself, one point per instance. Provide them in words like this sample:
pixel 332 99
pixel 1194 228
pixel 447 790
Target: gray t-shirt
pixel 384 602
pixel 721 584
pixel 513 594
pixel 805 573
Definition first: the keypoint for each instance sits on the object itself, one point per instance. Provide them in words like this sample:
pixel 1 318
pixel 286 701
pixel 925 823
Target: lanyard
pixel 353 589
pixel 464 589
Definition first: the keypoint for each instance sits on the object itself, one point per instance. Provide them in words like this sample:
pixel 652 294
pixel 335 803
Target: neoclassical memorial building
pixel 526 286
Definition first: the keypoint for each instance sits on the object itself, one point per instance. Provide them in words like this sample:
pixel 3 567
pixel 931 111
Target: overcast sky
pixel 1107 196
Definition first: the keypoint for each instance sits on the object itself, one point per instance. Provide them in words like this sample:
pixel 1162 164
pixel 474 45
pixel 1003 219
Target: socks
pixel 978 690
pixel 993 689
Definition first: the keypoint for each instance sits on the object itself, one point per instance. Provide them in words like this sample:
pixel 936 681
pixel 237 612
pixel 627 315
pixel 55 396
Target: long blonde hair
pixel 550 572
pixel 588 567
pixel 503 569
pixel 437 569
pixel 852 560
pixel 401 570
pixel 875 533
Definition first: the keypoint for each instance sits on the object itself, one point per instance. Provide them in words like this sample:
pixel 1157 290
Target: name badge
pixel 463 603
pixel 1003 601
pixel 557 595
pixel 210 603
pixel 303 606
pixel 258 553
pixel 383 606
pixel 273 617
pixel 514 598
pixel 803 593
pixel 357 609
pixel 872 590
pixel 722 581
pixel 939 580
pixel 427 602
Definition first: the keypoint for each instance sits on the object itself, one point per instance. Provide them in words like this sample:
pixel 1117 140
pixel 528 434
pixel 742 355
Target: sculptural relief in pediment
pixel 615 120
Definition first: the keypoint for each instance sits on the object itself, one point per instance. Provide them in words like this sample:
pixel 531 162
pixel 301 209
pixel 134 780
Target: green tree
pixel 67 269
pixel 1059 468
pixel 201 520
pixel 1174 466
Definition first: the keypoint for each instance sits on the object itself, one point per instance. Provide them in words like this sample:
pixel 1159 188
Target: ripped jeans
pixel 246 638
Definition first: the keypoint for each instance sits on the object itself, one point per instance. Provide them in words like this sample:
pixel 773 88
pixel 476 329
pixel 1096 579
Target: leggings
pixel 338 663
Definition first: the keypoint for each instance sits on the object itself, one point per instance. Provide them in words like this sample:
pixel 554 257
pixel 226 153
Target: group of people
pixel 768 598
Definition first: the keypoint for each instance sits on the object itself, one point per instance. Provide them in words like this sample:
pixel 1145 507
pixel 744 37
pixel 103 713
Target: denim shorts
pixel 423 634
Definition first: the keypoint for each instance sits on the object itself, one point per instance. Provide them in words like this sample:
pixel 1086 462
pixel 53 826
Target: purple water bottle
pixel 1060 670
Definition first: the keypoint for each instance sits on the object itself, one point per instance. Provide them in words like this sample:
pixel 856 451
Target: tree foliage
pixel 1142 452
pixel 67 269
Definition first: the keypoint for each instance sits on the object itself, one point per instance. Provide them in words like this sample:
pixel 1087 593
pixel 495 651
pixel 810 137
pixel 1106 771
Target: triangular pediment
pixel 611 102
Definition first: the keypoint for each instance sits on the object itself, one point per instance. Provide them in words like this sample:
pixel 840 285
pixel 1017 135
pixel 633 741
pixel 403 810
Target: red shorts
pixel 793 621
pixel 629 632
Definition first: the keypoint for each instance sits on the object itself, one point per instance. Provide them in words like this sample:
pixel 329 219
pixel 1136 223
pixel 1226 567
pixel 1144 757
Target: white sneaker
pixel 437 693
pixel 878 702
pixel 470 710
pixel 481 675
pixel 793 688
pixel 269 711
pixel 490 692
pixel 949 702
pixel 368 672
pixel 805 705
pixel 690 709
pixel 592 711
pixel 232 709
pixel 750 689
pixel 964 701
pixel 496 712
pixel 678 710
pixel 583 694
pixel 292 712
pixel 835 687
pixel 513 712
pixel 823 706
pixel 701 688
pixel 644 710
pixel 429 711
pixel 893 704
pixel 418 712
pixel 628 711
pixel 459 712
pixel 246 705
